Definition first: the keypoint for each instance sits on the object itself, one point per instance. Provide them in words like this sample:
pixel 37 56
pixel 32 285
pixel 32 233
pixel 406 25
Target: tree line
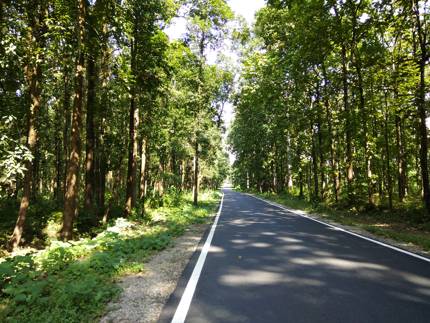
pixel 99 108
pixel 333 102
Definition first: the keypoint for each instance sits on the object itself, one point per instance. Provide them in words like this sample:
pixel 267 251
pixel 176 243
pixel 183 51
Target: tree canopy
pixel 332 103
pixel 101 111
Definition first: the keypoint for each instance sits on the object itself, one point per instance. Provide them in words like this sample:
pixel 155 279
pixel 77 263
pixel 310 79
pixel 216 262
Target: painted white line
pixel 303 214
pixel 187 296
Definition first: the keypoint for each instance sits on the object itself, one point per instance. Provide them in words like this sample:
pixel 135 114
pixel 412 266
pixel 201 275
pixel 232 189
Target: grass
pixel 73 282
pixel 403 224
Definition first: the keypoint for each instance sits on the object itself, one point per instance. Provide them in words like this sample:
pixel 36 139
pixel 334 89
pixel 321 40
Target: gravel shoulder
pixel 145 294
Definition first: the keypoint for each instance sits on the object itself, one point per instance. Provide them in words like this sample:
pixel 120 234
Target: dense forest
pixel 333 101
pixel 101 112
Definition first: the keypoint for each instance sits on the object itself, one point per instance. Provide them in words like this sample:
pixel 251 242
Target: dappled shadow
pixel 266 265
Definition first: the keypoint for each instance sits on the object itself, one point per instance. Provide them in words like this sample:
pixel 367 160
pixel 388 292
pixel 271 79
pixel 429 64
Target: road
pixel 269 265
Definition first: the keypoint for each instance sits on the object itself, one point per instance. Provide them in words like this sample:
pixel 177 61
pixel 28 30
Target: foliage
pixel 116 60
pixel 13 156
pixel 76 280
pixel 329 103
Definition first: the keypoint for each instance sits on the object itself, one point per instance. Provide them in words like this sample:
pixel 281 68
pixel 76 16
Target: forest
pixel 332 105
pixel 102 113
pixel 111 145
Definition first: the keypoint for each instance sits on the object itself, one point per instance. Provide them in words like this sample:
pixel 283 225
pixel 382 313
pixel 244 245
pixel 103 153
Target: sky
pixel 245 8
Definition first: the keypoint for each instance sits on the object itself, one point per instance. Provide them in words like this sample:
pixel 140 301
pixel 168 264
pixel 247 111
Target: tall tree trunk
pixel 130 198
pixel 196 173
pixel 33 73
pixel 333 161
pixel 90 133
pixel 421 104
pixel 362 107
pixel 66 130
pixel 387 158
pixel 346 108
pixel 35 187
pixel 348 126
pixel 58 158
pixel 102 113
pixel 143 147
pixel 132 156
pixel 161 183
pixel 72 181
pixel 400 143
pixel 183 174
pixel 315 194
pixel 196 170
pixel 401 160
pixel 288 182
pixel 301 193
pixel 319 110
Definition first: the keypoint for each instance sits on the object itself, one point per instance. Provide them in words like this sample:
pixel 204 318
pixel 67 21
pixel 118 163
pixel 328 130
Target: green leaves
pixel 76 280
pixel 321 81
pixel 13 156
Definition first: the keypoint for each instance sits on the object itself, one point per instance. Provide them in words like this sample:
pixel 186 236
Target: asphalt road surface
pixel 268 265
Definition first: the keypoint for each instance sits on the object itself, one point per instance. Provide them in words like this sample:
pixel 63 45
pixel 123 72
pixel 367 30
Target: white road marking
pixel 187 296
pixel 303 214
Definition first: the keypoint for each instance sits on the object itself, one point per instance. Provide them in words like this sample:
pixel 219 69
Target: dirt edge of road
pixel 144 295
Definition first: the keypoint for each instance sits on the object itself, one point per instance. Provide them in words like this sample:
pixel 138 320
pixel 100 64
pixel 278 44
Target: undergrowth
pixel 72 282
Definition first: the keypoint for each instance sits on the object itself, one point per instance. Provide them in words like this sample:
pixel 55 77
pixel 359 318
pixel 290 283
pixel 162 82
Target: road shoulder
pixel 144 295
pixel 398 244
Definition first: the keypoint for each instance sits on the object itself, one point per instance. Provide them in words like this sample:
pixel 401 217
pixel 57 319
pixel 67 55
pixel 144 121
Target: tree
pixel 206 28
pixel 72 181
pixel 119 74
pixel 318 112
pixel 35 12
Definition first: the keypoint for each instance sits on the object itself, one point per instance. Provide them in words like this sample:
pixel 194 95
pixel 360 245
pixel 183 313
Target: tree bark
pixel 143 148
pixel 196 173
pixel 362 107
pixel 72 181
pixel 90 133
pixel 333 161
pixel 100 138
pixel 401 161
pixel 58 158
pixel 132 157
pixel 387 158
pixel 346 108
pixel 130 199
pixel 315 194
pixel 348 130
pixel 33 74
pixel 66 130
pixel 421 104
pixel 33 78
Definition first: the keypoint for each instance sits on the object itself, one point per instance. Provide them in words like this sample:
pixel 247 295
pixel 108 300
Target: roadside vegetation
pixel 73 281
pixel 125 116
pixel 332 111
pixel 404 224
